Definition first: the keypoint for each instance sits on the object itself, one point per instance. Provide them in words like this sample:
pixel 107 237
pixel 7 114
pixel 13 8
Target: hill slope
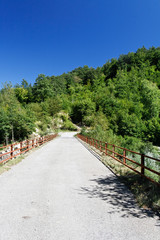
pixel 119 101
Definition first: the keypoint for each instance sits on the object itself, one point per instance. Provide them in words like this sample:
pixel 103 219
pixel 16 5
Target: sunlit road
pixel 62 192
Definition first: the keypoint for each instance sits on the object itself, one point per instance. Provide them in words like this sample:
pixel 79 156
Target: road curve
pixel 62 192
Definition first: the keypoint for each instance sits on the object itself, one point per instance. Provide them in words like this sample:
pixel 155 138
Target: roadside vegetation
pixel 9 164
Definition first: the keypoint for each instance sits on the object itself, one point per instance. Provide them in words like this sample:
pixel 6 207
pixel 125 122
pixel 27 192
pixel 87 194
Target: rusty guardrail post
pixel 124 156
pixel 142 164
pixel 11 151
pixel 113 150
pixel 106 148
pixel 27 144
pixel 20 146
pixel 100 143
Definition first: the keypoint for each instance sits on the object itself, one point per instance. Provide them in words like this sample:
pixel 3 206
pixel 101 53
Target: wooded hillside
pixel 118 102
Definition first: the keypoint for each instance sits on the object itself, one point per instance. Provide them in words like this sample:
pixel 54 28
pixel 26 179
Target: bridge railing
pixel 13 150
pixel 146 166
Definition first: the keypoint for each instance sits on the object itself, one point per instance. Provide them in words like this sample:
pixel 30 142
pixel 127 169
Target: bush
pixel 68 125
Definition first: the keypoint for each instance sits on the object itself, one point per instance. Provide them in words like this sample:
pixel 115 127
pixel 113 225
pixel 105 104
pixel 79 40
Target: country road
pixel 62 192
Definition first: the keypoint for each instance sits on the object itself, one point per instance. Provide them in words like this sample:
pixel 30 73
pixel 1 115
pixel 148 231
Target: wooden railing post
pixel 11 151
pixel 37 142
pixel 32 143
pixel 20 146
pixel 124 156
pixel 142 164
pixel 27 145
pixel 106 148
pixel 100 145
pixel 113 149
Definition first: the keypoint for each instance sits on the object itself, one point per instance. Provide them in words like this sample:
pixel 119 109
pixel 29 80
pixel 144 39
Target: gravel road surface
pixel 62 192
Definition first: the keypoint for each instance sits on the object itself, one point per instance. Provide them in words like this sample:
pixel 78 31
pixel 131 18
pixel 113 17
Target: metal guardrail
pixel 120 155
pixel 13 150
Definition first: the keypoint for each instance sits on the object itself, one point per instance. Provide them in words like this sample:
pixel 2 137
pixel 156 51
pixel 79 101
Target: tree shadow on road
pixel 116 194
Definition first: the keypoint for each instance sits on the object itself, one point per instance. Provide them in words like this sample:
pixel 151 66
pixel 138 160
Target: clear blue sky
pixel 56 36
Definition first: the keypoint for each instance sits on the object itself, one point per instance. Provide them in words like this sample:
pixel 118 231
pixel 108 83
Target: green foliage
pixel 86 74
pixel 51 106
pixel 24 92
pixel 15 121
pixel 5 127
pixel 21 94
pixel 68 125
pixel 82 109
pixel 58 84
pixel 42 88
pixel 118 102
pixel 63 121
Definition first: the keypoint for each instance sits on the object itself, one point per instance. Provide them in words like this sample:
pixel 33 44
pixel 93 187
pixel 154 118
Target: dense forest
pixel 118 102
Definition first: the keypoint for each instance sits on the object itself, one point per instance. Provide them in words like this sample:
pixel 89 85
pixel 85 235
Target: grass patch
pixel 7 166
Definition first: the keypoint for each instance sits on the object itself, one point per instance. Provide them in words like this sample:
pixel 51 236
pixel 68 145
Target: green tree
pixel 42 88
